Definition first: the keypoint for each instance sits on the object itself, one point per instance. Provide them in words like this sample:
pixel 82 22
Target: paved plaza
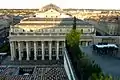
pixel 110 65
pixel 32 70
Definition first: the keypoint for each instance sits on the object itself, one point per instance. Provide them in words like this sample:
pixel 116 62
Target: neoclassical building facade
pixel 42 37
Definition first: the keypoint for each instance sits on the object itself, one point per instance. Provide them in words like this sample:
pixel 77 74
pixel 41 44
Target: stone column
pixel 86 43
pixel 19 50
pixel 27 50
pixel 35 52
pixel 57 53
pixel 14 49
pixel 43 51
pixel 50 50
pixel 64 44
pixel 11 49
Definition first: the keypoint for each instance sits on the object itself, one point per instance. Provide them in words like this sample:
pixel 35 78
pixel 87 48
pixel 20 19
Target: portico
pixel 37 50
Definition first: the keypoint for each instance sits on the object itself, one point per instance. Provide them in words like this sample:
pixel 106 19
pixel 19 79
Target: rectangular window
pixel 39 43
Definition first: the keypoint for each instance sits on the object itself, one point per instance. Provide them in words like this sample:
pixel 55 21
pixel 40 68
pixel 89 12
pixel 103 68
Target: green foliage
pixel 73 37
pixel 5 48
pixel 84 67
pixel 100 77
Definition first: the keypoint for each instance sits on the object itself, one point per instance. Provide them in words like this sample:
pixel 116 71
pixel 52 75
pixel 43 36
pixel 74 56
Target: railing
pixel 44 34
pixel 68 67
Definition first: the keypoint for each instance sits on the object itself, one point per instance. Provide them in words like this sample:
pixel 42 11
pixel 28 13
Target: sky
pixel 80 4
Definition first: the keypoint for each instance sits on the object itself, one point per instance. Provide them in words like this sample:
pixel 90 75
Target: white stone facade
pixel 43 37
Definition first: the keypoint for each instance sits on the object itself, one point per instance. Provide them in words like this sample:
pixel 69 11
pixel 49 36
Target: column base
pixel 27 59
pixel 12 59
pixel 20 59
pixel 57 58
pixel 35 58
pixel 43 59
pixel 50 58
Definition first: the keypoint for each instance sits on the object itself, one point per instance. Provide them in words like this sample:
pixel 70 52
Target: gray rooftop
pixel 63 21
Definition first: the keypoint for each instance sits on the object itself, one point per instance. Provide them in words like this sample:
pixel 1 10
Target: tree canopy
pixel 73 37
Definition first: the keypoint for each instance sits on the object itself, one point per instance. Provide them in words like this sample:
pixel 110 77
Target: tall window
pixel 46 51
pixel 81 30
pixel 39 52
pixel 53 43
pixel 60 30
pixel 60 51
pixel 31 43
pixel 39 43
pixel 31 30
pixel 60 43
pixel 53 51
pixel 24 43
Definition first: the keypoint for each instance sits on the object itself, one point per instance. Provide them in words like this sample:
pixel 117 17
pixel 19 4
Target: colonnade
pixel 19 46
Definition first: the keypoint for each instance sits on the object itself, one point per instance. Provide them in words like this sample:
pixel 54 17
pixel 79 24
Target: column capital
pixel 26 41
pixel 11 41
pixel 34 41
pixel 57 41
pixel 42 41
pixel 18 41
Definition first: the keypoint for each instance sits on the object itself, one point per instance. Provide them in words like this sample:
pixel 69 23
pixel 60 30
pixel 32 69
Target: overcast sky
pixel 87 4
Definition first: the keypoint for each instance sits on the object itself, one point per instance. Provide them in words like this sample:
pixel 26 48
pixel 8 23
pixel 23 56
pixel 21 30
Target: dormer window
pixel 53 30
pixel 81 30
pixel 31 30
pixel 60 30
pixel 88 30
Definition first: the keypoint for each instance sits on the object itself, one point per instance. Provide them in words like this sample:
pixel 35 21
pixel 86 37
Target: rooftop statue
pixel 50 6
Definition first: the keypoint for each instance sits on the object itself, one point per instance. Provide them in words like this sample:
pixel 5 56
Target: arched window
pixel 31 30
pixel 46 51
pixel 88 30
pixel 39 51
pixel 81 30
pixel 39 43
pixel 60 30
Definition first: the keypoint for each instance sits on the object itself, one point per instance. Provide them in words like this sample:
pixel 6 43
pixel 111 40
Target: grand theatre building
pixel 42 37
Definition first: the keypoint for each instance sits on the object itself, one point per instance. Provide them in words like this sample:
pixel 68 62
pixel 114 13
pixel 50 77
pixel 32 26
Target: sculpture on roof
pixel 50 6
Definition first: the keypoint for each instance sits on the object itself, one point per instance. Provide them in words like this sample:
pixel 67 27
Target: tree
pixel 73 37
pixel 85 69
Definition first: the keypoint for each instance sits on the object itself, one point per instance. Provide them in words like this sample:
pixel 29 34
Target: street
pixel 110 65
